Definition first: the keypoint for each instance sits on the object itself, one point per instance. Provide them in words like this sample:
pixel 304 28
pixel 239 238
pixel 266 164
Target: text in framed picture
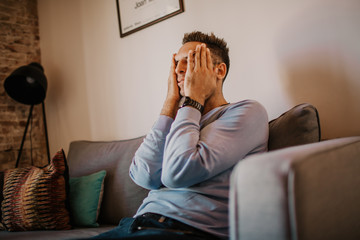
pixel 135 15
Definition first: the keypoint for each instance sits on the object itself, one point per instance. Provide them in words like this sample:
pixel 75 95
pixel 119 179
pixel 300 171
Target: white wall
pixel 103 87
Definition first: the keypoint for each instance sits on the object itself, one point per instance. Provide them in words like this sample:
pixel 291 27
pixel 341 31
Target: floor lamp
pixel 28 85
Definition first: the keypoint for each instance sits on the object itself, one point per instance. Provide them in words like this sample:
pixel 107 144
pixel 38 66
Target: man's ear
pixel 221 71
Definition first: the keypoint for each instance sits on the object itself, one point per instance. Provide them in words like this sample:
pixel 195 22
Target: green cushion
pixel 85 199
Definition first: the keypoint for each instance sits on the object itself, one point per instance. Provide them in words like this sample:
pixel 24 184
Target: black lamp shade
pixel 27 84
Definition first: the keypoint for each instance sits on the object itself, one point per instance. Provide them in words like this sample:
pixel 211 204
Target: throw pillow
pixel 35 198
pixel 1 198
pixel 299 125
pixel 85 199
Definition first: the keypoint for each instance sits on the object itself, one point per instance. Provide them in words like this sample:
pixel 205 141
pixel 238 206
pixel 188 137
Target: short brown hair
pixel 218 46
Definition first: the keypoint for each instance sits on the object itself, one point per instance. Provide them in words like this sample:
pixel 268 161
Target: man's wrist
pixel 197 98
pixel 187 101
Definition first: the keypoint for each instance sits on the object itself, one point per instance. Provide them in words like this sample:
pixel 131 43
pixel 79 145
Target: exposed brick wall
pixel 19 45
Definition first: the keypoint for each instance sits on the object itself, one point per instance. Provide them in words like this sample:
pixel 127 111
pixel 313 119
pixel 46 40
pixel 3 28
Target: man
pixel 187 158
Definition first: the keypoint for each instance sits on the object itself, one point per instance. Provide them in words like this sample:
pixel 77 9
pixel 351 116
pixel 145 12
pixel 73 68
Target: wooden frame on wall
pixel 135 15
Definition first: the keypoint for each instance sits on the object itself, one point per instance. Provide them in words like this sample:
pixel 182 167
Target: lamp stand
pixel 26 128
pixel 46 133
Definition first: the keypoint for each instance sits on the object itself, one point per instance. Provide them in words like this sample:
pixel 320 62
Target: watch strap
pixel 192 103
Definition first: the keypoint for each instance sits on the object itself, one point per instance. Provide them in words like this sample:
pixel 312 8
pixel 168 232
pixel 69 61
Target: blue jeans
pixel 153 226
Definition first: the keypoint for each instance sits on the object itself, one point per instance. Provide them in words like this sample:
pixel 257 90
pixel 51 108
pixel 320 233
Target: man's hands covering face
pixel 200 77
pixel 199 83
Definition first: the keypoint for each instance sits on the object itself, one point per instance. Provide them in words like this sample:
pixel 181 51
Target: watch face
pixel 182 101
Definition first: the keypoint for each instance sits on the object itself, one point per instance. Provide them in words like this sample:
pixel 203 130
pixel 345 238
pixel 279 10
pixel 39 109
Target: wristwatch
pixel 187 101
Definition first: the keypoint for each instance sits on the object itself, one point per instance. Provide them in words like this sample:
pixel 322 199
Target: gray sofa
pixel 305 192
pixel 274 195
pixel 121 196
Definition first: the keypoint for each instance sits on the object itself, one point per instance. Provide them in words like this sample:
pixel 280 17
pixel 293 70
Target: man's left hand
pixel 200 77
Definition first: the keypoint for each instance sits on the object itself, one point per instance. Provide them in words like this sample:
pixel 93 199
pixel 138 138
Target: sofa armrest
pixel 303 192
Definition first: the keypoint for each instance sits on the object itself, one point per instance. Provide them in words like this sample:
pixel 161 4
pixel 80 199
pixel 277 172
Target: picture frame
pixel 135 15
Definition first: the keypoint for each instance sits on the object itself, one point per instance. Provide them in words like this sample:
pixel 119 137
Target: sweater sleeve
pixel 193 155
pixel 146 166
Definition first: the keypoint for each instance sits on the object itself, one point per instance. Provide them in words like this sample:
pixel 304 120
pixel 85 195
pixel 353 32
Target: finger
pixel 203 56
pixel 209 61
pixel 173 63
pixel 197 57
pixel 190 62
pixel 172 72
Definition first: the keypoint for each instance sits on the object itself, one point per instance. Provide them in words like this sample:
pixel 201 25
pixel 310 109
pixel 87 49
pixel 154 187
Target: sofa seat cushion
pixel 76 233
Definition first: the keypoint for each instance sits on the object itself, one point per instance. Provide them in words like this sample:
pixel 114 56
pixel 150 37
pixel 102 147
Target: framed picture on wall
pixel 135 15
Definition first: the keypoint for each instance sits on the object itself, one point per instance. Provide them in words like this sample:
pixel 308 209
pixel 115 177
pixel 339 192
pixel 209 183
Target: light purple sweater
pixel 187 162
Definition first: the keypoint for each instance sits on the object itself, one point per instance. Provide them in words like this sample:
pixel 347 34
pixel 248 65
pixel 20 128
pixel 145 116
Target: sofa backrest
pixel 121 196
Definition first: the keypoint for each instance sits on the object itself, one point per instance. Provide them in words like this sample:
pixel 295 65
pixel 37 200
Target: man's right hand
pixel 171 103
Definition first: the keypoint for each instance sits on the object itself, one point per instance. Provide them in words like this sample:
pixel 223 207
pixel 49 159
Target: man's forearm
pixel 145 169
pixel 170 108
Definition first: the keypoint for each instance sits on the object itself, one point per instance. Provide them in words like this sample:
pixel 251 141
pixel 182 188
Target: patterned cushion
pixel 35 198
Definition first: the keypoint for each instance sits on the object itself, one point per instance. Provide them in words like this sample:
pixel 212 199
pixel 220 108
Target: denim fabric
pixel 150 228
